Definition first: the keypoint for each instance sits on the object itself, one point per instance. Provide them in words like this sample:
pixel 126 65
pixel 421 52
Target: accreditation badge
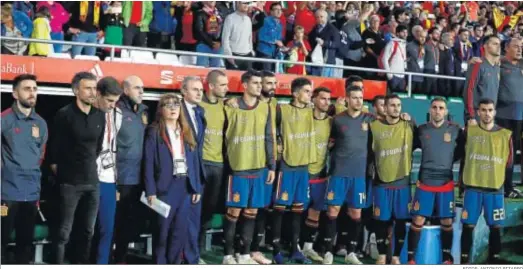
pixel 35 131
pixel 364 126
pixel 144 118
pixel 447 137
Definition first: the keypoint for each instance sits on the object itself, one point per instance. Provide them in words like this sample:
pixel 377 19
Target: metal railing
pixel 113 49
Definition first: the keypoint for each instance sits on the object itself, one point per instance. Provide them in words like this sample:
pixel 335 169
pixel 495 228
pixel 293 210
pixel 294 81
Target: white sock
pixel 307 245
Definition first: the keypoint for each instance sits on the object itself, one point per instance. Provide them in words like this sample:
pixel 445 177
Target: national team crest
pixel 35 131
pixel 3 210
pixel 464 214
pixel 364 126
pixel 144 118
pixel 416 206
pixel 285 196
pixel 377 211
pixel 236 197
pixel 447 137
pixel 330 196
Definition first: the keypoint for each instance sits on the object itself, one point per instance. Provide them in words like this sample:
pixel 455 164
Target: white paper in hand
pixel 158 206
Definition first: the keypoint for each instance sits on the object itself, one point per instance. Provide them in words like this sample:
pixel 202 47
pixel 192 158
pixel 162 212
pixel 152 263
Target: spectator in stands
pixel 441 23
pixel 327 37
pixel 41 30
pixel 162 27
pixel 394 58
pixel 24 137
pixel 477 40
pixel 184 35
pixel 76 143
pixel 237 37
pixel 59 17
pixel 304 16
pixel 114 30
pixel 87 25
pixel 207 31
pixel 137 16
pixel 463 51
pixel 15 24
pixel 129 145
pixel 447 66
pixel 416 58
pixel 301 47
pixel 257 14
pixel 401 16
pixel 374 43
pixel 270 37
pixel 431 60
pixel 25 7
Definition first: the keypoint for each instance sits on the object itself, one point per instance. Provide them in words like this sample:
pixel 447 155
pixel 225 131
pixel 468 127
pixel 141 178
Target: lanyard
pixel 168 142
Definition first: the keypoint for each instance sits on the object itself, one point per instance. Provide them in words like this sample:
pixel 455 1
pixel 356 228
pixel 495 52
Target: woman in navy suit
pixel 171 162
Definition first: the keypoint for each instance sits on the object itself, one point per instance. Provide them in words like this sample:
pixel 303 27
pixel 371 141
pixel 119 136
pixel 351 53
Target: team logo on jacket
pixel 284 196
pixel 416 206
pixel 144 118
pixel 236 197
pixel 364 126
pixel 377 211
pixel 464 214
pixel 35 131
pixel 330 196
pixel 447 137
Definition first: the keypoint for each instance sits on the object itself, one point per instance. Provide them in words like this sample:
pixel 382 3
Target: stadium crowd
pixel 330 169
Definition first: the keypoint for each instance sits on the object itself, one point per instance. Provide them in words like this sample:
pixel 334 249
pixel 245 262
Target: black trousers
pixel 159 40
pixel 21 218
pixel 239 64
pixel 213 198
pixel 78 205
pixel 132 36
pixel 127 222
pixel 515 127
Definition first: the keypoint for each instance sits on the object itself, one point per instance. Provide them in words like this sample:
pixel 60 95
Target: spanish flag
pixel 500 19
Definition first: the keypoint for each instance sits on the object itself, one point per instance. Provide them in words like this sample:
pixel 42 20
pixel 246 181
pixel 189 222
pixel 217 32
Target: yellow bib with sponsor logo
pixel 245 137
pixel 298 135
pixel 486 156
pixel 392 147
pixel 213 143
pixel 323 128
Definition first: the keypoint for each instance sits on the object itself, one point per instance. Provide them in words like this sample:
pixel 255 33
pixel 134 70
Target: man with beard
pixel 346 185
pixel 75 146
pixel 441 143
pixel 431 60
pixel 213 151
pixel 392 144
pixel 488 151
pixel 318 171
pixel 482 79
pixel 249 142
pixel 24 137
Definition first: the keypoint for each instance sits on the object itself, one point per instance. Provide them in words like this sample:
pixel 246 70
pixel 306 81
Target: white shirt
pixel 192 114
pixel 106 162
pixel 179 162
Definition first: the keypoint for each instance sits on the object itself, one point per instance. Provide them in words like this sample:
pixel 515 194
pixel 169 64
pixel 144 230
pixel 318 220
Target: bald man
pixel 129 144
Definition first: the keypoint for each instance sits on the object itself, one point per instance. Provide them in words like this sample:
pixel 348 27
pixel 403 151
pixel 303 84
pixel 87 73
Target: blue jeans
pixel 85 38
pixel 208 61
pixel 105 222
pixel 57 36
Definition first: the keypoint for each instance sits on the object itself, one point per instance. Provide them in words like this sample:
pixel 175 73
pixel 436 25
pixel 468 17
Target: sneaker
pixel 382 259
pixel 246 259
pixel 260 258
pixel 395 260
pixel 229 259
pixel 298 257
pixel 201 261
pixel 313 255
pixel 237 256
pixel 412 262
pixel 328 258
pixel 359 254
pixel 373 247
pixel 342 252
pixel 278 259
pixel 352 259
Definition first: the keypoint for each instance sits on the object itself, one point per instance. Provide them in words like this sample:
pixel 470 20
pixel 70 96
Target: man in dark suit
pixel 447 66
pixel 192 91
pixel 463 51
pixel 327 36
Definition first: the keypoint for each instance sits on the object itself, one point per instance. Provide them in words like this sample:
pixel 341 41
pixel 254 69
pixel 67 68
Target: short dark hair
pixel 298 83
pixel 438 99
pixel 352 88
pixel 275 4
pixel 377 98
pixel 431 30
pixel 440 18
pixel 246 77
pixel 462 30
pixel 476 26
pixel 267 74
pixel 397 12
pixel 109 86
pixel 18 79
pixel 390 97
pixel 401 28
pixel 213 75
pixel 487 39
pixel 75 83
pixel 351 79
pixel 319 90
pixel 486 101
